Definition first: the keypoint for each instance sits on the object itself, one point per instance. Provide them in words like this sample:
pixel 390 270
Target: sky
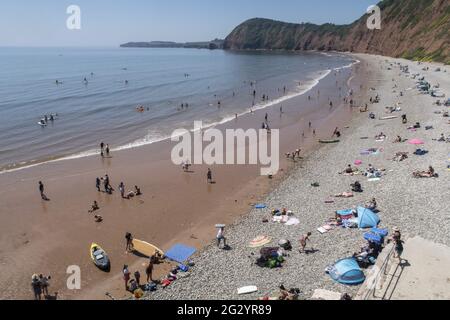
pixel 113 22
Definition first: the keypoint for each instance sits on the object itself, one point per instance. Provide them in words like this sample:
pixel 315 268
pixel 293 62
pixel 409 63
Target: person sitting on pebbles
pixel 380 136
pixel 349 170
pixel 426 174
pixel 356 187
pixel 372 204
pixel 98 218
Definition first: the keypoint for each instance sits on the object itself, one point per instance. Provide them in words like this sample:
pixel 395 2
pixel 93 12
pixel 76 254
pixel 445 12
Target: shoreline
pixel 42 237
pixel 13 167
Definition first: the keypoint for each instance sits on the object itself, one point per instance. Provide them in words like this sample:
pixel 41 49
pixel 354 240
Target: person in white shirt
pixel 220 237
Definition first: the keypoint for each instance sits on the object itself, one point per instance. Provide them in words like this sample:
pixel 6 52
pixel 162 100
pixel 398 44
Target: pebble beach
pixel 419 207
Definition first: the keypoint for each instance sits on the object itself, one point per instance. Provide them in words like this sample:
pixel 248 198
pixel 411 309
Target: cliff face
pixel 413 29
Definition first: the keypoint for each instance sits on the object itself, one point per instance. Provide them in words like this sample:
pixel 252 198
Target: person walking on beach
pixel 106 184
pixel 129 239
pixel 126 276
pixel 36 287
pixel 44 281
pixel 41 191
pixel 398 243
pixel 102 147
pixel 122 190
pixel 97 184
pixel 303 241
pixel 221 237
pixel 107 150
pixel 137 277
pixel 209 176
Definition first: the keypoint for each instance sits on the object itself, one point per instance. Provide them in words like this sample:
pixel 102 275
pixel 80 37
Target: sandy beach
pixel 419 207
pixel 48 236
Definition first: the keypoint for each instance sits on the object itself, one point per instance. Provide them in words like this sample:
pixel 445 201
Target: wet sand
pixel 47 237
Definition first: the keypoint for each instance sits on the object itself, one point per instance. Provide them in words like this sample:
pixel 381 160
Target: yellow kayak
pixel 99 257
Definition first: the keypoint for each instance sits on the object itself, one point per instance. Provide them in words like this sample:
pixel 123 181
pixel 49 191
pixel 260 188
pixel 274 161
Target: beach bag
pixel 183 268
pixel 165 283
pixel 272 263
pixel 150 287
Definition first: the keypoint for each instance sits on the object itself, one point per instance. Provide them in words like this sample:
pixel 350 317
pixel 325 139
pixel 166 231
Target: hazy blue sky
pixel 111 22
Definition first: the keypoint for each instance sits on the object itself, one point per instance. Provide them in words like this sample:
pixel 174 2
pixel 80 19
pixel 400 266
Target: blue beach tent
pixel 347 271
pixel 367 218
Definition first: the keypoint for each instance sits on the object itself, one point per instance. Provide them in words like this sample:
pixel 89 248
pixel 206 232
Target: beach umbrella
pixel 416 141
pixel 260 241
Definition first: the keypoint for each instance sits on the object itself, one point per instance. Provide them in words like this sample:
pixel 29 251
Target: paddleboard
pixel 389 118
pixel 247 290
pixel 145 248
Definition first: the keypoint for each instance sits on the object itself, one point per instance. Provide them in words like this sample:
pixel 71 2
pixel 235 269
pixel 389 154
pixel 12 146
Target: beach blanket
pixel 292 222
pixel 325 229
pixel 373 179
pixel 280 219
pixel 371 151
pixel 260 206
pixel 180 253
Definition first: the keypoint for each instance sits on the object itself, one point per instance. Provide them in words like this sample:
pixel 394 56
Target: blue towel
pixel 180 253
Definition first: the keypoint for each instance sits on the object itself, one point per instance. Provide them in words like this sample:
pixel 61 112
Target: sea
pixel 129 97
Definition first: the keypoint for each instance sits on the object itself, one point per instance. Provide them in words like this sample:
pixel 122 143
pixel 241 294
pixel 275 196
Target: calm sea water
pixel 104 108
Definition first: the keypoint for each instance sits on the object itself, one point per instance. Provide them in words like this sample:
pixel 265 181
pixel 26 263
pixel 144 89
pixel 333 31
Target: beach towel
pixel 260 206
pixel 374 179
pixel 180 253
pixel 259 241
pixel 325 229
pixel 292 222
pixel 320 294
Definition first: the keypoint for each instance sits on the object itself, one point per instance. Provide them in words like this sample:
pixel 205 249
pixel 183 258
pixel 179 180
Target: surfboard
pixel 389 118
pixel 247 290
pixel 145 248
